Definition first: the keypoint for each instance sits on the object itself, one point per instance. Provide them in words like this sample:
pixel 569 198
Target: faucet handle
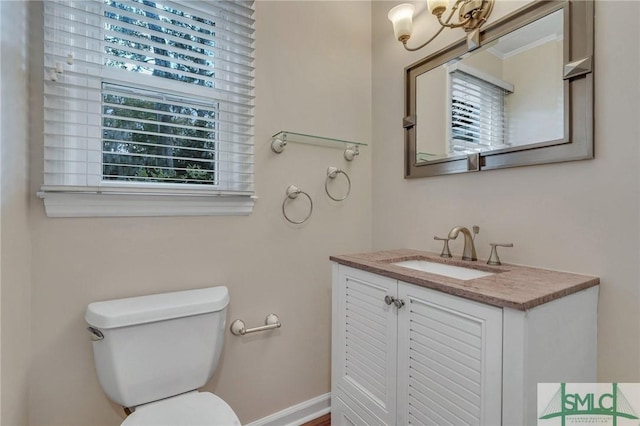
pixel 445 250
pixel 493 257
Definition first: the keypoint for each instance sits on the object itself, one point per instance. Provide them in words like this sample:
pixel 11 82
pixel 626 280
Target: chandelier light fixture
pixel 471 14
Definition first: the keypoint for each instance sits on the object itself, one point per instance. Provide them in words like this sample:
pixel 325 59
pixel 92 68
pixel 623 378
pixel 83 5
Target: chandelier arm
pixel 455 7
pixel 442 27
pixel 413 49
pixel 458 25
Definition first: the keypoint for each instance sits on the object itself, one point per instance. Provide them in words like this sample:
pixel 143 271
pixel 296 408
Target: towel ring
pixel 332 172
pixel 292 193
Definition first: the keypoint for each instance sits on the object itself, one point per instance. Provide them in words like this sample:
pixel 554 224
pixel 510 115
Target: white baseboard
pixel 298 414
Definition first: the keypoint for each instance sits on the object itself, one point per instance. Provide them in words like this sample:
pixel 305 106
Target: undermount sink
pixel 451 271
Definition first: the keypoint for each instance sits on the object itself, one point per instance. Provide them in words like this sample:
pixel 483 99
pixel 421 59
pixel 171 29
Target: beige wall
pixel 535 107
pixel 579 216
pixel 15 275
pixel 313 75
pixel 431 133
pixel 486 62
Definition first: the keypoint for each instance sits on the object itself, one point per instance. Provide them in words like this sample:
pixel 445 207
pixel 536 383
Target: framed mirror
pixel 524 97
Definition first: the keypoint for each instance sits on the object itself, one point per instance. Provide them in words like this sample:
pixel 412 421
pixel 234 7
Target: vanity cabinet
pixel 405 354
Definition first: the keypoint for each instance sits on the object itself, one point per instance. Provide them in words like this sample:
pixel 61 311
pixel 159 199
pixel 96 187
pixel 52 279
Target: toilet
pixel 152 354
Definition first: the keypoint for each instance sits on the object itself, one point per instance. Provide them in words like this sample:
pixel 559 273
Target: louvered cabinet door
pixel 449 360
pixel 364 346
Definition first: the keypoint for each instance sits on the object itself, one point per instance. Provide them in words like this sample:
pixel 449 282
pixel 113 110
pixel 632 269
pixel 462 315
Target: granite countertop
pixel 511 286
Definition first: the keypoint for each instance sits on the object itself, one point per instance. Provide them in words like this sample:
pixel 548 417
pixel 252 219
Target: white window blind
pixel 148 97
pixel 478 121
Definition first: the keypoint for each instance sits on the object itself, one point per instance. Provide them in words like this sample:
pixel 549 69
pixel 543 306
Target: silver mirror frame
pixel 577 143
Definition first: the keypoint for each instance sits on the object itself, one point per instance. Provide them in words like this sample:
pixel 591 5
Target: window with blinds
pixel 478 120
pixel 148 97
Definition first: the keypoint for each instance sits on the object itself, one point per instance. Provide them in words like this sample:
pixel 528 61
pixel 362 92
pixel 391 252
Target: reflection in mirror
pixel 509 93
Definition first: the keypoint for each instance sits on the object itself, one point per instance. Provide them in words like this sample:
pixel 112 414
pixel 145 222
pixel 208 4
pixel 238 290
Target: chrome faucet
pixel 469 251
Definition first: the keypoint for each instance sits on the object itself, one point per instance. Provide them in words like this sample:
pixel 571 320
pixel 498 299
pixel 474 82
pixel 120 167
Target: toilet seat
pixel 189 409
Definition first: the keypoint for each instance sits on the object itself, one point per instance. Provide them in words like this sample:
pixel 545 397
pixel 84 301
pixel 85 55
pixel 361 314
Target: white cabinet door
pixel 449 360
pixel 364 349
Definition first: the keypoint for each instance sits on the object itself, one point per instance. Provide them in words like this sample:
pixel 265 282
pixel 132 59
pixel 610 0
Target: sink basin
pixel 452 271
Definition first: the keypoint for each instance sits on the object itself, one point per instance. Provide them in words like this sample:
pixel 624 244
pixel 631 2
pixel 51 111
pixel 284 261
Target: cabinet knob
pixel 390 300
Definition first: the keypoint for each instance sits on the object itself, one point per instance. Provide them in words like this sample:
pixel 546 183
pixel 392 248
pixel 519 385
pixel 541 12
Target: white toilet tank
pixel 157 346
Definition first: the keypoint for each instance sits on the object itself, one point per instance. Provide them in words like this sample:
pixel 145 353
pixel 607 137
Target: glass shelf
pixel 287 136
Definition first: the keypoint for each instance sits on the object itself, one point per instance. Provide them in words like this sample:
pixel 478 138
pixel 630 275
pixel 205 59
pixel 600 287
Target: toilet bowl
pixel 152 354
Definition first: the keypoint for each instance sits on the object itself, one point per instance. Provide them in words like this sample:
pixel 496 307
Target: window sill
pixel 78 204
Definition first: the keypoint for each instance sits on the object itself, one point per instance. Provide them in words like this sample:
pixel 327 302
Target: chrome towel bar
pixel 239 328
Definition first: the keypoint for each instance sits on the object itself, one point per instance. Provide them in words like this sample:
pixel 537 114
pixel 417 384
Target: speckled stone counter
pixel 511 286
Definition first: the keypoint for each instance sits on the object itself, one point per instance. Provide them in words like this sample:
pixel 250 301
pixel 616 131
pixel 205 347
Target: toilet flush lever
pixel 96 335
pixel 239 328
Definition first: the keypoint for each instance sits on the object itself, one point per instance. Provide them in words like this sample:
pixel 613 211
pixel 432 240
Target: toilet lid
pixel 189 409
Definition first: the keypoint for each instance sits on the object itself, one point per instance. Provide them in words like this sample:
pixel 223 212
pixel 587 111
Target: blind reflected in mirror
pixel 505 95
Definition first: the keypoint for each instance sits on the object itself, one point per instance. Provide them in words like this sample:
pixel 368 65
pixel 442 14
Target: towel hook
pixel 332 172
pixel 292 193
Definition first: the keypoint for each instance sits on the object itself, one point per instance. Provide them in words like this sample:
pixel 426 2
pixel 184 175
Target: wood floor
pixel 320 421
